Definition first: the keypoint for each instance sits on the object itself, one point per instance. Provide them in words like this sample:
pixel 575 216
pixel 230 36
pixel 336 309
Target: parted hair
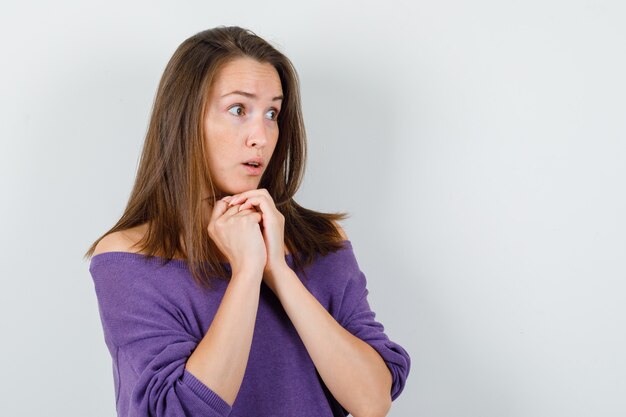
pixel 172 175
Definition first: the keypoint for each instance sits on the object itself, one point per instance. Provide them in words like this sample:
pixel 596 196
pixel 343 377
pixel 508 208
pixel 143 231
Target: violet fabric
pixel 154 316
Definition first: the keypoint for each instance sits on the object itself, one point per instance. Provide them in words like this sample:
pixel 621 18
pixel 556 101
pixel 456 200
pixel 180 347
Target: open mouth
pixel 253 169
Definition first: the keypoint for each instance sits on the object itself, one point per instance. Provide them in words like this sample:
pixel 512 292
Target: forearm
pixel 220 359
pixel 353 371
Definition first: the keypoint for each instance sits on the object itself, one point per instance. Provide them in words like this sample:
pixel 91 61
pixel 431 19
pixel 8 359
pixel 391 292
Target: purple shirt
pixel 154 316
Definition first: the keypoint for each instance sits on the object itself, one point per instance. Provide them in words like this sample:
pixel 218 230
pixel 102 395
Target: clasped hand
pixel 249 230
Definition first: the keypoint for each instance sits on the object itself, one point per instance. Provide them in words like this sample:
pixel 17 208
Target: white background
pixel 480 147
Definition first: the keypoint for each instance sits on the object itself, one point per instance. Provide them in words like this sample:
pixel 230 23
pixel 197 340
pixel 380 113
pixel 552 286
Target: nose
pixel 258 133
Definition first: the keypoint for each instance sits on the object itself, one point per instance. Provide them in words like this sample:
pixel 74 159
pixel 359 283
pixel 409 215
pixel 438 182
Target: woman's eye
pixel 237 113
pixel 275 116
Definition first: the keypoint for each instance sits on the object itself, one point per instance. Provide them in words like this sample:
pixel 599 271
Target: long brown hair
pixel 173 171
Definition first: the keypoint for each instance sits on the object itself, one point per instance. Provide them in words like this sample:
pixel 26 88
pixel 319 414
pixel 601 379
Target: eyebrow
pixel 250 95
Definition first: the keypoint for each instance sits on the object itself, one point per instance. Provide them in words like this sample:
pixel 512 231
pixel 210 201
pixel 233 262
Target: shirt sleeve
pixel 356 316
pixel 146 335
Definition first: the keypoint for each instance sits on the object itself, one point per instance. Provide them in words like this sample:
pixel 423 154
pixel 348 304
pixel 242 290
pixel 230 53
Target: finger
pixel 248 205
pixel 249 212
pixel 261 202
pixel 222 208
pixel 238 198
pixel 219 208
pixel 231 211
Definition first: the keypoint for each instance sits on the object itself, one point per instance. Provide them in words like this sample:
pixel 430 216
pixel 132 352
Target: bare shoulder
pixel 120 241
pixel 342 232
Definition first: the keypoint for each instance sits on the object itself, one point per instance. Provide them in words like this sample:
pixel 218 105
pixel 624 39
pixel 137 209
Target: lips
pixel 254 161
pixel 252 170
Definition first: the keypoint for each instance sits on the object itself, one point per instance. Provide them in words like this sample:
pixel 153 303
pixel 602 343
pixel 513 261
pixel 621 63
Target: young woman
pixel 219 295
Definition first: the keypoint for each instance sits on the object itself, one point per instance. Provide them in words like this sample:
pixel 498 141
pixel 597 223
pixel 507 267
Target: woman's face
pixel 241 124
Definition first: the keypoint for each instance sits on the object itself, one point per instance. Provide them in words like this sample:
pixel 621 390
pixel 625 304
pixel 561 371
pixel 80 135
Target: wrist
pixel 247 273
pixel 277 267
pixel 280 280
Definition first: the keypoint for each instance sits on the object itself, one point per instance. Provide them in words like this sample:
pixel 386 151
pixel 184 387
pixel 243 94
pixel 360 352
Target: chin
pixel 239 190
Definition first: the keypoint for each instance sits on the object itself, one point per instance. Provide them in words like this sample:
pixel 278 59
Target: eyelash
pixel 275 119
